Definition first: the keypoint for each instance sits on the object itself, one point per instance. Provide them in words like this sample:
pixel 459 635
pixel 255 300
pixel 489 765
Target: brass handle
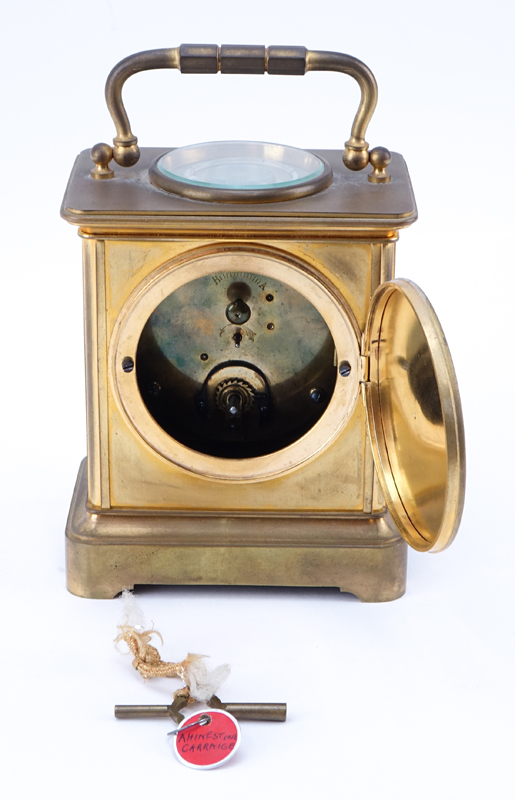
pixel 243 60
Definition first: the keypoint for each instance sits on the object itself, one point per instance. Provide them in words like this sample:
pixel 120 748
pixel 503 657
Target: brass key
pixel 268 712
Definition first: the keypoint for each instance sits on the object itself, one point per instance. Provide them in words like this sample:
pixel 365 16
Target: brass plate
pixel 240 260
pixel 415 416
pixel 365 556
pixel 129 200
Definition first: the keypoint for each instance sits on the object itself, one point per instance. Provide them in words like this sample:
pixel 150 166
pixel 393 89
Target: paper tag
pixel 208 746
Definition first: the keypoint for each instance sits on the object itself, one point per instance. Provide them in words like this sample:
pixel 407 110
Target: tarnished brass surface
pixel 158 503
pixel 237 59
pixel 380 158
pixel 416 420
pixel 285 60
pixel 150 521
pixel 265 712
pixel 101 154
pixel 243 59
pixel 199 59
pixel 364 555
pixel 231 378
pixel 141 712
pixel 126 151
pixel 355 155
pixel 348 205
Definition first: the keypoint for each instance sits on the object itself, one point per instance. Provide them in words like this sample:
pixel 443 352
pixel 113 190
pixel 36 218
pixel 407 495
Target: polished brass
pixel 377 450
pixel 266 712
pixel 281 355
pixel 124 473
pixel 242 59
pixel 415 416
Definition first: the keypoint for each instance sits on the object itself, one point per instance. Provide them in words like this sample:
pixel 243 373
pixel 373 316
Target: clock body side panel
pixel 125 473
pixel 96 373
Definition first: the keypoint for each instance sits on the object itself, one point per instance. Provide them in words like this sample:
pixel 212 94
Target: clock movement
pixel 266 403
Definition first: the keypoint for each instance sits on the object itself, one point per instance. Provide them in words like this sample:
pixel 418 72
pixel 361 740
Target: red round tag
pixel 207 746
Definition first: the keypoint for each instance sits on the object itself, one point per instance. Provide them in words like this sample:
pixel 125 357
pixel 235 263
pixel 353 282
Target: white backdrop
pixel 412 699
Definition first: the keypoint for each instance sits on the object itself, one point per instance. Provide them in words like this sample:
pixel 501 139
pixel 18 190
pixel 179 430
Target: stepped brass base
pixel 108 551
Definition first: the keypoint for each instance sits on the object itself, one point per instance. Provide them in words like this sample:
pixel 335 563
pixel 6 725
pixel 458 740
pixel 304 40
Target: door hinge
pixel 365 369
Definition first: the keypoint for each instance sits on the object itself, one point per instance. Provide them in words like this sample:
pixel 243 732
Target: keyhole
pixel 238 312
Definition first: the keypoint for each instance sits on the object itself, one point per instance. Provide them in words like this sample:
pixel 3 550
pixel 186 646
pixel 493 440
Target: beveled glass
pixel 241 171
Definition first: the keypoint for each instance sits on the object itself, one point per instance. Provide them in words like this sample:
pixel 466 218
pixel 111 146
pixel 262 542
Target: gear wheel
pixel 234 386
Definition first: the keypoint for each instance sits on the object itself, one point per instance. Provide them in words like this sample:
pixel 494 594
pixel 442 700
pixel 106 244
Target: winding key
pixel 268 712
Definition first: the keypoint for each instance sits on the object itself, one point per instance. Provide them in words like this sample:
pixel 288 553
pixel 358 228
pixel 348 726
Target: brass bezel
pixel 217 195
pixel 387 448
pixel 238 258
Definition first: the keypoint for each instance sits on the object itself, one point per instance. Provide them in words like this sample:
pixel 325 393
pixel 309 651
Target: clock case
pixel 339 512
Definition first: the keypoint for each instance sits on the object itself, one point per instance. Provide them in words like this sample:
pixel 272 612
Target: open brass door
pixel 414 416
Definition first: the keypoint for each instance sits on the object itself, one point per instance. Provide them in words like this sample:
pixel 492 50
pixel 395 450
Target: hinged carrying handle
pixel 234 59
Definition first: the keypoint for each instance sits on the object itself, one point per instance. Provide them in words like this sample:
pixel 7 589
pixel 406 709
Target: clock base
pixel 109 550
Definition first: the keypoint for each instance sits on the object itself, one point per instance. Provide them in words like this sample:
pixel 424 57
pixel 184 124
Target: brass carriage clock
pixel 266 403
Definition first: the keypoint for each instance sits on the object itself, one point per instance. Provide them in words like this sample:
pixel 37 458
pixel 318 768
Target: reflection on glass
pixel 240 165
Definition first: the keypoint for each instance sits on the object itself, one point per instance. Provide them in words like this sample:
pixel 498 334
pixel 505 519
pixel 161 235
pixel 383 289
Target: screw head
pixel 344 369
pixel 128 364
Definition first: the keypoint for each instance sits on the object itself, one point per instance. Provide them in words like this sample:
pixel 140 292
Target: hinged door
pixel 414 416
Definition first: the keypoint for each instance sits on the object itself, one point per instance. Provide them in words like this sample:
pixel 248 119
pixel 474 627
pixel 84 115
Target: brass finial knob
pixel 380 157
pixel 102 154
